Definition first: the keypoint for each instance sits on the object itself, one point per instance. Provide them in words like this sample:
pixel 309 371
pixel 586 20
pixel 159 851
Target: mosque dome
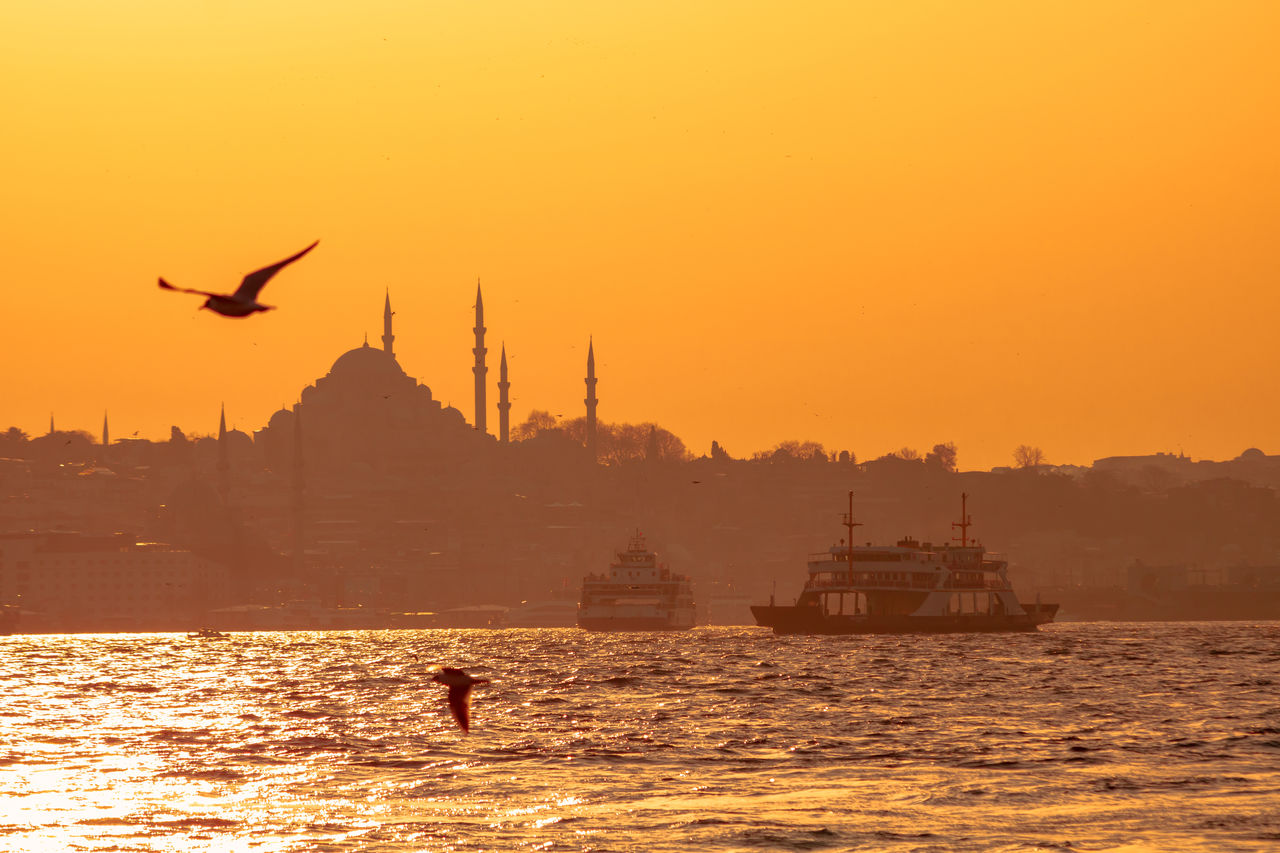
pixel 366 361
pixel 239 436
pixel 367 415
pixel 281 419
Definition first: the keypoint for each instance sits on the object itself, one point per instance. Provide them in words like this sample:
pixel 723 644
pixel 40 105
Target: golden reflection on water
pixel 1106 738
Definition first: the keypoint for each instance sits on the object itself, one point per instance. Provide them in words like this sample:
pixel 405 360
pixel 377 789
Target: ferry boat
pixel 638 594
pixel 910 586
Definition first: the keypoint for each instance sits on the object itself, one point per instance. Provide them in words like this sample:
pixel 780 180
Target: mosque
pixel 367 413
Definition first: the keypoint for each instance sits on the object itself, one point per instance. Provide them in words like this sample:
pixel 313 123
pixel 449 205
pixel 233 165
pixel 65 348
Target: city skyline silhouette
pixel 540 417
pixel 771 228
pixel 370 492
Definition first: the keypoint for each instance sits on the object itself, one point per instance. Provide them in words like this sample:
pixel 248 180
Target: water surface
pixel 1088 736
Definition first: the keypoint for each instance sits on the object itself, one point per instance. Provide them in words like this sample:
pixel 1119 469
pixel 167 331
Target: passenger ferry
pixel 910 586
pixel 638 594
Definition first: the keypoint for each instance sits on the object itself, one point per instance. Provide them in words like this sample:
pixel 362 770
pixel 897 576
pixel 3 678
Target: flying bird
pixel 244 301
pixel 459 684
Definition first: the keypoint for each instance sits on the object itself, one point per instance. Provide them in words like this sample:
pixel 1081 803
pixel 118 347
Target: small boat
pixel 638 594
pixel 910 586
pixel 207 634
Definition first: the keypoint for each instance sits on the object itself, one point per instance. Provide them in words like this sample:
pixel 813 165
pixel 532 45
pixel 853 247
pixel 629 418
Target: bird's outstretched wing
pixel 253 282
pixel 164 285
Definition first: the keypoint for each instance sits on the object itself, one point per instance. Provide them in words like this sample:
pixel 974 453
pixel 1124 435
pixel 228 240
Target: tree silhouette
pixel 793 451
pixel 1027 456
pixel 64 446
pixel 13 442
pixel 620 443
pixel 538 421
pixel 942 456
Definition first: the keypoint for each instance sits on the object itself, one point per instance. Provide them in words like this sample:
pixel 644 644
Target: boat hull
pixel 794 619
pixel 629 623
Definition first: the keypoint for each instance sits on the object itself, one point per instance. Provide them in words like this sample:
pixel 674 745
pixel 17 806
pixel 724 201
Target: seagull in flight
pixel 459 684
pixel 244 301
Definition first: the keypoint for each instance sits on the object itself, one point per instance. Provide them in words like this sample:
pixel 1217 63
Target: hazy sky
pixel 868 224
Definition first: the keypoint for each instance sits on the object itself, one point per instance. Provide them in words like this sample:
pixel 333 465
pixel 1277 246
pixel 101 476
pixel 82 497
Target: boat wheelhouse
pixel 908 586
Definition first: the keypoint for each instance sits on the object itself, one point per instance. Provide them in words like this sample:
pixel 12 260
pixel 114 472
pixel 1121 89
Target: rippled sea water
pixel 1092 736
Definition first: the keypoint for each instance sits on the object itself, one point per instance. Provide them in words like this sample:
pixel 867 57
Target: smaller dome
pixel 1253 454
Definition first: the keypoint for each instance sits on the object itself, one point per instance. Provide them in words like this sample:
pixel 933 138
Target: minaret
pixel 479 370
pixel 504 402
pixel 591 400
pixel 51 429
pixel 106 440
pixel 224 460
pixel 297 491
pixel 387 337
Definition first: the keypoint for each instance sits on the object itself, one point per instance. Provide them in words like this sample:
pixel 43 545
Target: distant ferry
pixel 638 594
pixel 883 589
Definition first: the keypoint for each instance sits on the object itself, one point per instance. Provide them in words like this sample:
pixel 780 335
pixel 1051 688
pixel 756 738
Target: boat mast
pixel 963 523
pixel 850 523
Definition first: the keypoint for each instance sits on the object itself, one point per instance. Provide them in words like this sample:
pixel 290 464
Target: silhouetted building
pixel 106 440
pixel 480 370
pixel 297 495
pixel 504 400
pixel 387 338
pixel 591 400
pixel 366 416
pixel 224 460
pixel 69 581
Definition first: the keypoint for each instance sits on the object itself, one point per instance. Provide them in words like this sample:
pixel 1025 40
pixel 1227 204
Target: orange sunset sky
pixel 867 224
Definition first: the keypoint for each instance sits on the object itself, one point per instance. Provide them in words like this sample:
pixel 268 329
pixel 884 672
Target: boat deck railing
pixel 861 583
pixel 927 582
pixel 925 558
pixel 989 584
